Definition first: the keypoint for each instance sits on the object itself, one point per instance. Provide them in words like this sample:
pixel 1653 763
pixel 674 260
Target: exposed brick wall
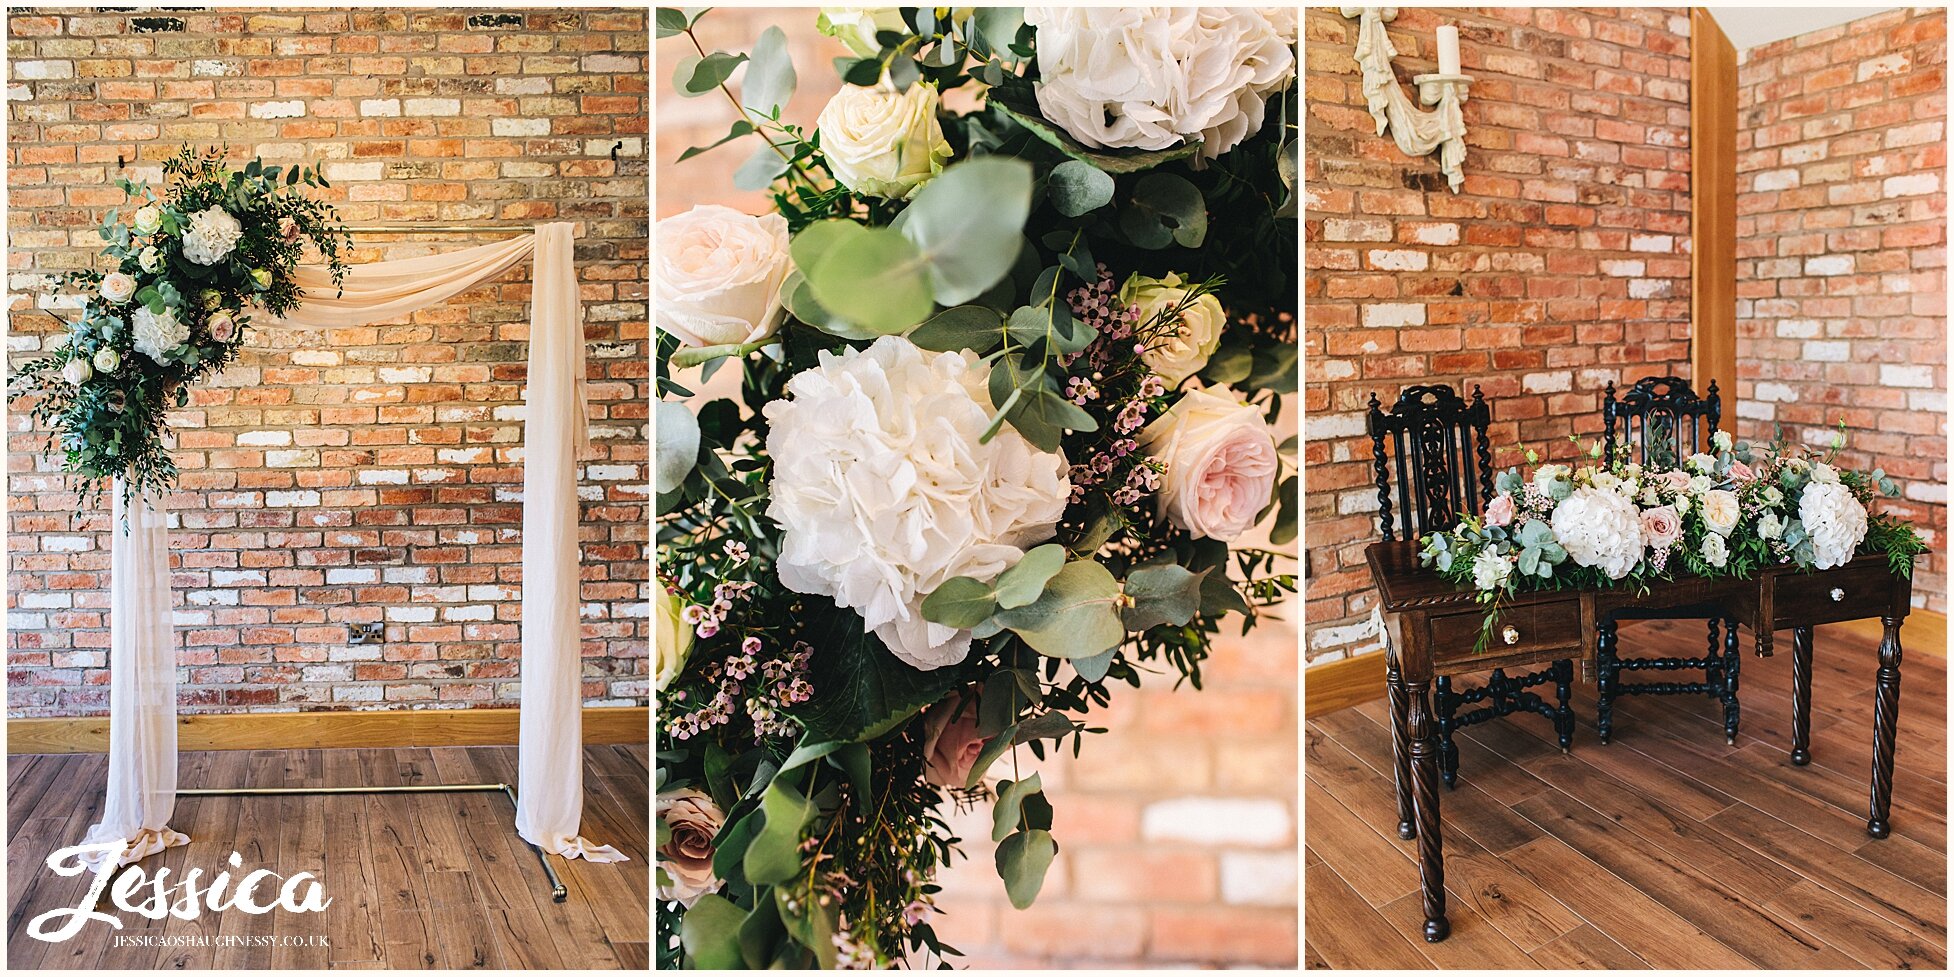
pixel 1178 827
pixel 1842 254
pixel 1562 263
pixel 340 476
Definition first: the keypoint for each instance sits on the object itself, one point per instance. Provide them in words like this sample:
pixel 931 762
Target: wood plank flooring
pixel 420 881
pixel 1665 849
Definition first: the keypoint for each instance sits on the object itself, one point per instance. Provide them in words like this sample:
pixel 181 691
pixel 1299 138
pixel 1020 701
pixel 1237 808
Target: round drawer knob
pixel 1510 635
pixel 1838 594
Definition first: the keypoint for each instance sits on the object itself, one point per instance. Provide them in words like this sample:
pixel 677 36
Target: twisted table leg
pixel 1886 717
pixel 1431 854
pixel 1400 748
pixel 1801 696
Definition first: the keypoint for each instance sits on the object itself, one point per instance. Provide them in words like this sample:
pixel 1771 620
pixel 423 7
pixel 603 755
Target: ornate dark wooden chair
pixel 1444 467
pixel 1661 421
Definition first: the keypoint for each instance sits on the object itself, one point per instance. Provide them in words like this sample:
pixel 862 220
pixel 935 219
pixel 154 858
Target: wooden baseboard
pixel 1342 683
pixel 327 730
pixel 1924 633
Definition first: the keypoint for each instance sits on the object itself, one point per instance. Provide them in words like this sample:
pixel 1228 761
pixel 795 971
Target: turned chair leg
pixel 1448 751
pixel 1732 662
pixel 1564 690
pixel 1713 670
pixel 1606 674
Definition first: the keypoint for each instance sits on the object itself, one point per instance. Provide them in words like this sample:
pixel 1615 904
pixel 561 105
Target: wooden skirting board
pixel 327 730
pixel 1350 681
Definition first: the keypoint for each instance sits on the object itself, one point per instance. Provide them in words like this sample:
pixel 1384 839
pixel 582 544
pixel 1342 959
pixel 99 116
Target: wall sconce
pixel 1417 133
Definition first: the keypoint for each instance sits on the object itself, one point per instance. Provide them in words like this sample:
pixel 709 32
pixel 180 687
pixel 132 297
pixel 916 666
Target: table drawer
pixel 1549 626
pixel 1828 596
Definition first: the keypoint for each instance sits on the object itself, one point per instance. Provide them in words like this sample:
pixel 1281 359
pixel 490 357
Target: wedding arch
pixel 142 788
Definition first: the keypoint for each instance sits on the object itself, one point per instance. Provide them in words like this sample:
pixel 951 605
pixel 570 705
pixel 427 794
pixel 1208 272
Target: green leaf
pixel 710 933
pixel 766 165
pixel 1093 668
pixel 1016 99
pixel 740 128
pixel 729 849
pixel 1022 584
pixel 1044 417
pixel 967 225
pixel 775 854
pixel 691 356
pixel 1076 187
pixel 760 935
pixel 1287 511
pixel 971 327
pixel 865 691
pixel 1076 617
pixel 671 22
pixel 853 759
pixel 811 925
pixel 876 280
pixel 1053 323
pixel 1022 860
pixel 988 755
pixel 961 602
pixel 1165 209
pixel 817 240
pixel 1163 593
pixel 769 81
pixel 1006 812
pixel 678 446
pixel 696 75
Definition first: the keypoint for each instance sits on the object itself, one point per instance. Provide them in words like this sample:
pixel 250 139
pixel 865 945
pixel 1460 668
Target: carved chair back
pixel 1660 420
pixel 1443 464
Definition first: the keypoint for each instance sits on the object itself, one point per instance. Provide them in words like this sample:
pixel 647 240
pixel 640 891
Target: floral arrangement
pixel 1011 340
pixel 188 267
pixel 1730 512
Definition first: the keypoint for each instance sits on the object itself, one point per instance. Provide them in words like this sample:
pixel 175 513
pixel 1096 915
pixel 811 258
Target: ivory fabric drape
pixel 142 709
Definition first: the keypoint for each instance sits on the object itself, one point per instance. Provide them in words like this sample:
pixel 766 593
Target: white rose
pixel 883 492
pixel 1221 463
pixel 692 821
pixel 1836 522
pixel 1704 463
pixel 857 26
pixel 148 219
pixel 150 259
pixel 882 143
pixel 1714 551
pixel 1490 570
pixel 77 371
pixel 157 334
pixel 1824 474
pixel 1154 77
pixel 1721 441
pixel 1599 529
pixel 117 288
pixel 1699 484
pixel 1721 511
pixel 674 639
pixel 1769 526
pixel 107 360
pixel 1178 350
pixel 717 275
pixel 1546 475
pixel 213 235
pixel 1772 495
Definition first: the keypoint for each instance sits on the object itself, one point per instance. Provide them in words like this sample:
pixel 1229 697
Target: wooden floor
pixel 1665 849
pixel 425 881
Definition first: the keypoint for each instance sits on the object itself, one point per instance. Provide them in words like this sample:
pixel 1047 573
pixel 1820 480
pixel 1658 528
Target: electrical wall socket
pixel 366 634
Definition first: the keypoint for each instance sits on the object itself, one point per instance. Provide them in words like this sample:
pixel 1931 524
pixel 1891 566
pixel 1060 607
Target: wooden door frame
pixel 1713 209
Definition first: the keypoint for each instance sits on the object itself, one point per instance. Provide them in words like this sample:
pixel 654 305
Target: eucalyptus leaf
pixel 775 854
pixel 1076 187
pixel 769 81
pixel 1093 668
pixel 697 76
pixel 710 933
pixel 960 602
pixel 875 280
pixel 1022 860
pixel 1022 584
pixel 762 168
pixel 1076 617
pixel 989 754
pixel 966 224
pixel 672 22
pixel 1006 812
pixel 971 327
pixel 1161 593
pixel 1165 209
pixel 740 128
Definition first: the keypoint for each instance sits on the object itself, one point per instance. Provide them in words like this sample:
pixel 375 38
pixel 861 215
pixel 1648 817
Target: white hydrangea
pixel 158 333
pixel 1154 77
pixel 1490 570
pixel 1836 522
pixel 883 491
pixel 213 235
pixel 1599 529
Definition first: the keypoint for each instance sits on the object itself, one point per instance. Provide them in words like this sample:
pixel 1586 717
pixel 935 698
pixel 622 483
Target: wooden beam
pixel 1342 683
pixel 1713 209
pixel 326 730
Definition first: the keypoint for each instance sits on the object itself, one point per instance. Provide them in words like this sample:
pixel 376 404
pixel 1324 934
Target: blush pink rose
pixel 694 821
pixel 1676 479
pixel 1741 472
pixel 1661 526
pixel 951 742
pixel 1221 463
pixel 289 229
pixel 223 327
pixel 1499 512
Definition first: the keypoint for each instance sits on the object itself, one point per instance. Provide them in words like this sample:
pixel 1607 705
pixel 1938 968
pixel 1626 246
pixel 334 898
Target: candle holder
pixel 1416 132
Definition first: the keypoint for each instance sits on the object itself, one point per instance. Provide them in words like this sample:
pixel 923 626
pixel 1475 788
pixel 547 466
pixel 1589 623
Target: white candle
pixel 1448 50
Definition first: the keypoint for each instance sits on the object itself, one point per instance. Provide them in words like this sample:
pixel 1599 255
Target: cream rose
pixel 148 219
pixel 107 360
pixel 1180 349
pixel 686 856
pixel 882 143
pixel 117 287
pixel 951 743
pixel 77 371
pixel 674 639
pixel 1721 511
pixel 1221 463
pixel 717 275
pixel 150 259
pixel 857 26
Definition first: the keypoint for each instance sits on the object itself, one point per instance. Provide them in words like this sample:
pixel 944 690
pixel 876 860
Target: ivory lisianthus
pixel 157 332
pixel 883 491
pixel 685 858
pixel 717 275
pixel 1599 529
pixel 883 143
pixel 1153 77
pixel 1181 348
pixel 1221 463
pixel 213 235
pixel 1835 520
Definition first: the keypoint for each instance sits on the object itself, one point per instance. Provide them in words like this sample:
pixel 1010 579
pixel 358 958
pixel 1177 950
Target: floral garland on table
pixel 189 266
pixel 1731 512
pixel 1009 375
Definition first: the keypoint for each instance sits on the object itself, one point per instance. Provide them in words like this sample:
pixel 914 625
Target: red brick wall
pixel 1842 253
pixel 340 476
pixel 1177 829
pixel 1562 263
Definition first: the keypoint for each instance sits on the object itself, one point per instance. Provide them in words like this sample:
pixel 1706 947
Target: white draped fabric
pixel 142 696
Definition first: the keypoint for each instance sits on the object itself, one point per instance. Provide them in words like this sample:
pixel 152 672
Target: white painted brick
pixel 1893 375
pixel 406 374
pixel 1655 243
pixel 1323 427
pixel 1784 179
pixel 629 147
pixel 1218 821
pixel 1553 382
pixel 264 439
pixel 352 575
pixel 1439 234
pixel 292 109
pixel 67 544
pixel 1906 186
pixel 464 456
pixel 610 473
pixel 1258 878
pixel 472 612
pixel 305 498
pixel 601 63
pixel 46 601
pixel 520 127
pixel 383 477
pixel 211 68
pixel 522 86
pixel 1933 493
pixel 412 615
pixel 431 106
pixel 1783 393
pixel 380 106
pixel 1798 328
pixel 1347 229
pixel 1623 268
pixel 237 578
pixel 354 171
pixel 1394 315
pixel 292 458
pixel 1834 351
pixel 1885 64
pixel 1400 260
pixel 1829 264
pixel 1649 288
pixel 43 70
pixel 316 357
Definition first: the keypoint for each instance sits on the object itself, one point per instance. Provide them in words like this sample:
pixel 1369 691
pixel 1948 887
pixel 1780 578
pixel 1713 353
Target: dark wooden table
pixel 1435 626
